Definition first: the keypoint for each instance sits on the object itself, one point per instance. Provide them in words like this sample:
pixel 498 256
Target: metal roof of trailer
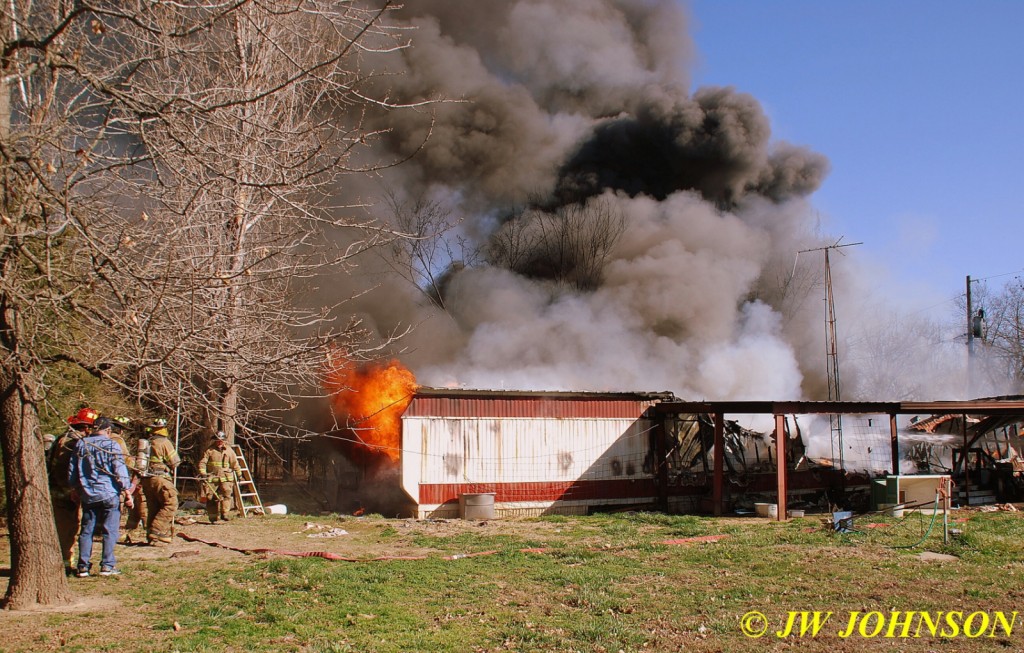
pixel 446 402
pixel 463 393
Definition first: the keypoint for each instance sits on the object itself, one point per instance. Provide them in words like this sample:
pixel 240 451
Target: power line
pixel 996 276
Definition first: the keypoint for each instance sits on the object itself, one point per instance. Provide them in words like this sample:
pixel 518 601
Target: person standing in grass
pixel 67 515
pixel 158 486
pixel 135 500
pixel 219 468
pixel 98 473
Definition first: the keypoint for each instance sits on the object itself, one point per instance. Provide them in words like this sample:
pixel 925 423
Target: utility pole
pixel 975 330
pixel 832 356
pixel 970 342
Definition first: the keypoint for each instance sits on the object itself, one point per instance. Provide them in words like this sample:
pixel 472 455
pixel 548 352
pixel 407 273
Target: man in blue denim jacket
pixel 98 472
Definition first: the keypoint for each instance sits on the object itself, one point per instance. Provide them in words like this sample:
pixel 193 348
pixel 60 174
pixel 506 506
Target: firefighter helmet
pixel 158 427
pixel 120 422
pixel 84 417
pixel 220 437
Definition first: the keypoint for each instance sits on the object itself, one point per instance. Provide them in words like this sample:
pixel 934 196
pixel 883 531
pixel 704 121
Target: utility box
pixel 917 490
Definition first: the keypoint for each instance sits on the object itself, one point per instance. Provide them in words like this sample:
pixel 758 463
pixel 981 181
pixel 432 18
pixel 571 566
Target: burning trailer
pixel 416 451
pixel 535 452
pixel 422 453
pixel 402 449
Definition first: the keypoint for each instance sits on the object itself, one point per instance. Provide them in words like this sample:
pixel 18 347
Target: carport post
pixel 719 458
pixel 966 458
pixel 780 464
pixel 661 470
pixel 895 438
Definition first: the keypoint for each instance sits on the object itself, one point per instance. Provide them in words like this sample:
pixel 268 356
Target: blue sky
pixel 918 105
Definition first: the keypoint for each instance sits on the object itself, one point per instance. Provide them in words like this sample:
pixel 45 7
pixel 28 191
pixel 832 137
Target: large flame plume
pixel 369 399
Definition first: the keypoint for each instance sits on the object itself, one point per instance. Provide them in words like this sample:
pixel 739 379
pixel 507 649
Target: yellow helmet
pixel 158 427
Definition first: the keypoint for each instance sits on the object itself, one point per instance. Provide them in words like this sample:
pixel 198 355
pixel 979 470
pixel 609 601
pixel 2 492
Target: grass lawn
pixel 599 583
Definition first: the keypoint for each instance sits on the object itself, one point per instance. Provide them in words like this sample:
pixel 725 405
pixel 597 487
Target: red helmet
pixel 84 417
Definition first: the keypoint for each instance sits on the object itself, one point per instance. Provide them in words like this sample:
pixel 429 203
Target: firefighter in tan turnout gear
pixel 158 486
pixel 219 468
pixel 135 501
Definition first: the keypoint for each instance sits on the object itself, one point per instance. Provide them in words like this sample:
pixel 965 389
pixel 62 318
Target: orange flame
pixel 370 398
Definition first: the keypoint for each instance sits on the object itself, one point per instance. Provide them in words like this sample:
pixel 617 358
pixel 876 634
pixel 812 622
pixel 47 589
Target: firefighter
pixel 135 501
pixel 158 486
pixel 219 468
pixel 66 511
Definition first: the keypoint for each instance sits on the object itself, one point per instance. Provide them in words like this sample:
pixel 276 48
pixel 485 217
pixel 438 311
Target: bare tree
pixel 240 227
pixel 999 334
pixel 569 245
pixel 903 358
pixel 166 169
pixel 431 247
pixel 52 116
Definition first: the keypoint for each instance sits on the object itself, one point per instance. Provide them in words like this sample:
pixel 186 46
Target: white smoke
pixel 669 315
pixel 576 101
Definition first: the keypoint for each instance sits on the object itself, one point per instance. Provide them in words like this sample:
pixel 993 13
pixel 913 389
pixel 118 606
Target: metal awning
pixel 992 407
pixel 976 407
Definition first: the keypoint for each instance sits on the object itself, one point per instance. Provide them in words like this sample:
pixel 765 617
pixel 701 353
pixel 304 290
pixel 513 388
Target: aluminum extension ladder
pixel 245 488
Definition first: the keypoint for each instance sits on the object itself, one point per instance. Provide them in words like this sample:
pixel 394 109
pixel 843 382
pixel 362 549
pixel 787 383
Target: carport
pixel 779 409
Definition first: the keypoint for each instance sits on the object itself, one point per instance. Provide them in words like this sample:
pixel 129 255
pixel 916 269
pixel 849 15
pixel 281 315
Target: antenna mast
pixel 832 353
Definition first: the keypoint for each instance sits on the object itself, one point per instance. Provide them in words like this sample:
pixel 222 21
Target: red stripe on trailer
pixel 541 491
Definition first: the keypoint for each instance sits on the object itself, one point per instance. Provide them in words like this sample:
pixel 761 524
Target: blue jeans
pixel 106 513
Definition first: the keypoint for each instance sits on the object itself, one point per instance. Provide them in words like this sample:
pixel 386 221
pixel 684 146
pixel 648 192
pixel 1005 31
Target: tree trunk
pixel 229 409
pixel 37 571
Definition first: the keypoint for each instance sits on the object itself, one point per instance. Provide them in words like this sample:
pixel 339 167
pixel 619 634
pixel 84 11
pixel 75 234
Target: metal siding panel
pixel 517 450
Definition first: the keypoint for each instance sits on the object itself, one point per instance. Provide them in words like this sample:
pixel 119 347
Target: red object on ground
pixel 327 555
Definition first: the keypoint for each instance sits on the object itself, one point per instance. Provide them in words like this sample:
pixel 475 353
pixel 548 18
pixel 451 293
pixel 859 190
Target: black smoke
pixel 628 232
pixel 715 143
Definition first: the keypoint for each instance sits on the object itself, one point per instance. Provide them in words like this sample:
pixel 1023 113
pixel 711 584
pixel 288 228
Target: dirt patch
pixel 80 604
pixel 107 604
pixel 349 537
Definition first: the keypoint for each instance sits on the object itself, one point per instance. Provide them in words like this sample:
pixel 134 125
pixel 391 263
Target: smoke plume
pixel 630 233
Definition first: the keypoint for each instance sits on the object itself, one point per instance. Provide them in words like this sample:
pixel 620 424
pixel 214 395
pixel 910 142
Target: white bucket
pixel 277 509
pixel 477 505
pixel 766 510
